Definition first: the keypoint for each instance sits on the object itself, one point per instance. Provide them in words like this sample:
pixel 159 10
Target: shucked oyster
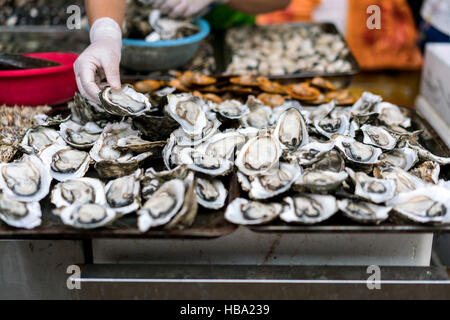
pixel 174 204
pixel 364 212
pixel 372 189
pixel 223 145
pixel 320 181
pixel 188 111
pixel 65 163
pixel 310 153
pixel 330 126
pixel 378 137
pixel 87 216
pixel 78 136
pixel 259 155
pixel 357 152
pixel 331 161
pixel 27 179
pixel 123 194
pixel 111 161
pixel 428 171
pixel 231 109
pixel 124 102
pixel 245 212
pixel 268 186
pixel 404 181
pixel 38 138
pixel 425 205
pixel 78 191
pixel 308 208
pixel 404 158
pixel 19 214
pixel 258 116
pixel 391 115
pixel 291 131
pixel 211 193
pixel 366 104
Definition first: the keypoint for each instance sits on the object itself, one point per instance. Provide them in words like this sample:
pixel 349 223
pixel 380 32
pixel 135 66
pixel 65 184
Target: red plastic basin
pixel 34 87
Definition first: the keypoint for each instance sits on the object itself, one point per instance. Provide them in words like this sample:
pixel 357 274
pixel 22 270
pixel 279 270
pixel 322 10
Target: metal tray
pixel 431 140
pixel 326 27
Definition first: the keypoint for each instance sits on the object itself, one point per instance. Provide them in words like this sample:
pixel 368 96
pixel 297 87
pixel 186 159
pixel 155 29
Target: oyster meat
pixel 123 194
pixel 189 112
pixel 19 214
pixel 308 208
pixel 378 137
pixel 244 212
pixel 291 131
pixel 65 163
pixel 372 189
pixel 87 216
pixel 124 102
pixel 78 191
pixel 363 212
pixel 357 152
pixel 38 138
pixel 27 179
pixel 211 193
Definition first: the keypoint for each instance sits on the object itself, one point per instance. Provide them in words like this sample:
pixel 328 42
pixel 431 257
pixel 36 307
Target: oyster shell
pixel 38 138
pixel 87 216
pixel 424 205
pixel 268 186
pixel 211 193
pixel 231 109
pixel 330 126
pixel 123 194
pixel 258 116
pixel 65 163
pixel 27 179
pixel 320 181
pixel 19 214
pixel 78 136
pixel 76 192
pixel 223 145
pixel 188 111
pixel 208 164
pixel 428 172
pixel 310 153
pixel 357 152
pixel 174 204
pixel 331 161
pixel 291 131
pixel 372 189
pixel 404 158
pixel 366 104
pixel 363 212
pixel 185 140
pixel 404 181
pixel 391 115
pixel 124 102
pixel 244 212
pixel 259 155
pixel 378 137
pixel 308 208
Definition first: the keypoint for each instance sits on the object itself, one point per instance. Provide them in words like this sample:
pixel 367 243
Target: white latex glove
pixel 102 55
pixel 182 8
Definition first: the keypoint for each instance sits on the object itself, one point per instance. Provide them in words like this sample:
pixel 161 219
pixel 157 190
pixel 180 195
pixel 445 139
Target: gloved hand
pixel 182 8
pixel 102 55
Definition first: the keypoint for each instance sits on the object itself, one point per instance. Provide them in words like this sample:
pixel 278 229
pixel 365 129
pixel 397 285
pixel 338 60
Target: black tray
pixel 326 27
pixel 429 139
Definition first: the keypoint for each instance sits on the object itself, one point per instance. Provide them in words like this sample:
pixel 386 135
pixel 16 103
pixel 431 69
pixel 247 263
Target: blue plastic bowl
pixel 140 55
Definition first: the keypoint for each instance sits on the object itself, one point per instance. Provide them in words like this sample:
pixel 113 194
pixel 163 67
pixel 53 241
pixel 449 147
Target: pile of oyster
pixel 286 49
pixel 162 155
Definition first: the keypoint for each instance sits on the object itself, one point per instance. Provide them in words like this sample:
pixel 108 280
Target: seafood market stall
pixel 246 173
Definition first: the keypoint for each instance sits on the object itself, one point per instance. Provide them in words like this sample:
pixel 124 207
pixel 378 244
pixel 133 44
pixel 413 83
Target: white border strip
pixel 107 280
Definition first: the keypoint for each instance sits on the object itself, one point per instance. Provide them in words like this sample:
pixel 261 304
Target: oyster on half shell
pixel 291 131
pixel 19 214
pixel 364 212
pixel 27 179
pixel 356 151
pixel 77 191
pixel 124 102
pixel 123 194
pixel 308 208
pixel 211 193
pixel 65 163
pixel 425 205
pixel 244 212
pixel 372 189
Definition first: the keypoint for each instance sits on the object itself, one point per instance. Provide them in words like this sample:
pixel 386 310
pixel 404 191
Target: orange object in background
pixel 298 10
pixel 391 47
